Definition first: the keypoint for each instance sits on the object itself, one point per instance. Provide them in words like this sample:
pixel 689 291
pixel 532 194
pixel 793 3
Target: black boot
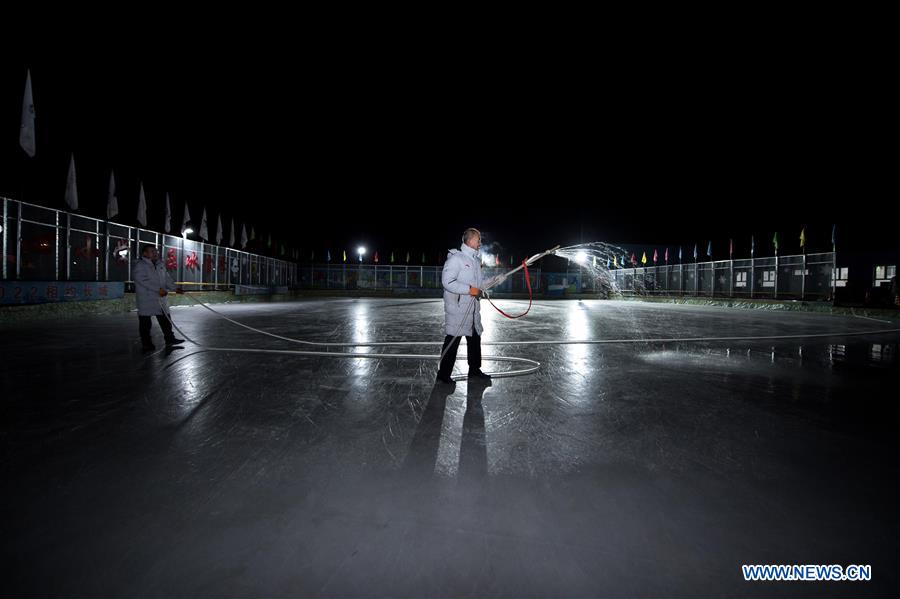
pixel 477 374
pixel 174 341
pixel 444 379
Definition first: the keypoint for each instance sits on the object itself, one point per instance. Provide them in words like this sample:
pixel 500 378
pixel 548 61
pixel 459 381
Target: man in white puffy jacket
pixel 462 313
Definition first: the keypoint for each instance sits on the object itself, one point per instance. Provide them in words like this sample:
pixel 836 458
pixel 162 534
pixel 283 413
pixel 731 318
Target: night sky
pixel 401 152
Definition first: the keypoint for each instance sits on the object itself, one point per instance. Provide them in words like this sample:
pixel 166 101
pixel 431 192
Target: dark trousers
pixel 473 350
pixel 144 324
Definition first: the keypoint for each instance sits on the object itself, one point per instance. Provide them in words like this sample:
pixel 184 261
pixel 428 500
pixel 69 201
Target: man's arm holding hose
pixel 171 285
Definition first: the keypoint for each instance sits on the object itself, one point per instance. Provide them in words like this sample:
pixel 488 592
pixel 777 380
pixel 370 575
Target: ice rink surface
pixel 635 468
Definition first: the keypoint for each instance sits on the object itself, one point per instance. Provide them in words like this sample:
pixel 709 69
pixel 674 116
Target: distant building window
pixel 768 278
pixel 740 279
pixel 843 275
pixel 884 274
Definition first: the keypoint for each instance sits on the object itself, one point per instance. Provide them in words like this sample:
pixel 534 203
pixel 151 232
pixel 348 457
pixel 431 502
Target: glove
pixel 179 290
pixel 474 291
pixel 163 292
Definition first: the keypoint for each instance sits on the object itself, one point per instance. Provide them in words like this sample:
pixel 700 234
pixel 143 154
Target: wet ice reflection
pixel 577 326
pixel 361 330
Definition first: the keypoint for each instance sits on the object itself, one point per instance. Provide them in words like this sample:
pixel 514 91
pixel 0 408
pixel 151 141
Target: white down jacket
pixel 149 278
pixel 462 311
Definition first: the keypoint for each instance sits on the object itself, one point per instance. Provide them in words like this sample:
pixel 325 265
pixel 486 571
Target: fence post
pixel 97 249
pixel 216 270
pixel 19 242
pixel 5 234
pixel 752 275
pixel 68 245
pixel 731 276
pixel 130 256
pixel 106 251
pixel 696 281
pixel 833 276
pixel 803 279
pixel 776 274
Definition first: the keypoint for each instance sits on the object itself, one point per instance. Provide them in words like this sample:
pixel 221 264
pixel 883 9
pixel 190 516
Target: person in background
pixel 151 285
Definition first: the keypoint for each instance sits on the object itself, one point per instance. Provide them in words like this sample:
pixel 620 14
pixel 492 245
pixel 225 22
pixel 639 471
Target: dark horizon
pixel 332 169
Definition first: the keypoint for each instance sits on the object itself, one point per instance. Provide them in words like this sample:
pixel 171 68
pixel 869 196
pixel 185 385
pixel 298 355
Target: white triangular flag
pixel 231 240
pixel 26 130
pixel 112 202
pixel 168 213
pixel 204 231
pixel 142 208
pixel 244 236
pixel 219 230
pixel 71 187
pixel 187 217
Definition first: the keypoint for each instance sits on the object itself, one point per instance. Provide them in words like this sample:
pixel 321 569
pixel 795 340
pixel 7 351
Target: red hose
pixel 530 296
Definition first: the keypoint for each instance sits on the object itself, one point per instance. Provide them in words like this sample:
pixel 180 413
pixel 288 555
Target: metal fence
pixel 43 244
pixel 784 277
pixel 376 277
pixel 780 277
